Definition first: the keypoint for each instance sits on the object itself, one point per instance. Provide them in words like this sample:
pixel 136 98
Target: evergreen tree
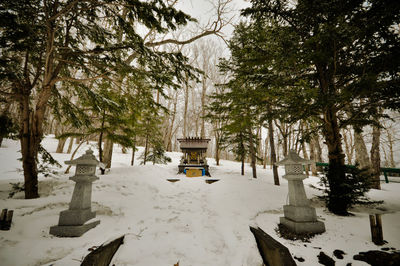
pixel 342 51
pixel 46 43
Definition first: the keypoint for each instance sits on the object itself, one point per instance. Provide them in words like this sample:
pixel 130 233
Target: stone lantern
pixel 72 222
pixel 299 216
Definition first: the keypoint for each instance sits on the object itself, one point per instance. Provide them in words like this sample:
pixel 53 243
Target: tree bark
pixel 362 157
pixel 265 152
pixel 60 145
pixel 146 146
pixel 303 146
pixel 242 167
pixel 203 109
pixel 217 149
pixel 168 143
pixel 318 152
pixel 133 151
pixel 284 129
pixel 29 150
pixel 100 143
pixel 312 157
pixel 349 147
pixel 375 157
pixel 337 203
pixel 186 92
pixel 253 154
pixel 71 142
pixel 273 154
pixel 108 150
pixel 390 142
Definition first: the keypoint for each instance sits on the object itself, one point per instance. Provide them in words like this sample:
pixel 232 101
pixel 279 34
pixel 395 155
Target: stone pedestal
pixel 299 216
pixel 73 222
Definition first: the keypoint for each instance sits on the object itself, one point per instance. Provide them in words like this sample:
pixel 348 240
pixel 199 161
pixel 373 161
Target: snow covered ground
pixel 189 221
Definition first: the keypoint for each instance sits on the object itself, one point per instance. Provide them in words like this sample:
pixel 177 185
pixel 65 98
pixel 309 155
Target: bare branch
pixel 212 28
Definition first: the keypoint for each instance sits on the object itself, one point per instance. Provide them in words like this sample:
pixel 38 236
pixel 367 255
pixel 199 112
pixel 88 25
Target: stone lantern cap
pixel 87 159
pixel 293 158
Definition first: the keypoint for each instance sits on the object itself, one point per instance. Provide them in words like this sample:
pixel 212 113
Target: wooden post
pixel 3 215
pixel 376 229
pixel 6 219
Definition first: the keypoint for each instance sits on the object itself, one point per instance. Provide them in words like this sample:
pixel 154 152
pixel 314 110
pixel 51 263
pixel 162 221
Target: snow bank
pixel 189 221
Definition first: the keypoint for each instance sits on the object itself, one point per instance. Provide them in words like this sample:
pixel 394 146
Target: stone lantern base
pixel 72 230
pixel 301 219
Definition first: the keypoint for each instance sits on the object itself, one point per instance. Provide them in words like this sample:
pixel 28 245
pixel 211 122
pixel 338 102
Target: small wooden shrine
pixel 194 155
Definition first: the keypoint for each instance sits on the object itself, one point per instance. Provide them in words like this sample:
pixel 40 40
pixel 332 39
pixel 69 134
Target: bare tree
pixel 349 146
pixel 362 157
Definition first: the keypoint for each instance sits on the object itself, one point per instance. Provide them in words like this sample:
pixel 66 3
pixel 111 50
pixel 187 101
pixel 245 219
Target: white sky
pixel 204 11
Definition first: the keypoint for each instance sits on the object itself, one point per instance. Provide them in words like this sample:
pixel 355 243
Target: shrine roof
pixel 193 143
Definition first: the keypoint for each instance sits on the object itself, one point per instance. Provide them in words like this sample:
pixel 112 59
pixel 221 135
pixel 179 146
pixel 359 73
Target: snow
pixel 188 221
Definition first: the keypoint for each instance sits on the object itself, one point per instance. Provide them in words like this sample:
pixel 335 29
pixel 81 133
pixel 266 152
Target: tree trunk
pixel 305 155
pixel 259 142
pixel 31 136
pixel 71 142
pixel 312 157
pixel 242 168
pixel 362 157
pixel 146 149
pixel 265 152
pixel 285 133
pixel 375 157
pixel 60 145
pixel 133 151
pixel 303 146
pixel 318 152
pixel 338 203
pixel 186 90
pixel 170 129
pixel 124 150
pixel 100 143
pixel 217 148
pixel 108 150
pixel 390 142
pixel 29 150
pixel 348 146
pixel 253 154
pixel 203 109
pixel 273 154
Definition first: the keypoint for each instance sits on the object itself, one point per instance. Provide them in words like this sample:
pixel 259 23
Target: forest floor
pixel 188 221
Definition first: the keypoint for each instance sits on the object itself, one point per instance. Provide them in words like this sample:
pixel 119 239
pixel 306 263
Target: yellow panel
pixel 193 155
pixel 193 172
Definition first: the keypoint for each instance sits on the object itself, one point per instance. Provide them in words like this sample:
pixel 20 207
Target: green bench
pixel 385 170
pixel 389 170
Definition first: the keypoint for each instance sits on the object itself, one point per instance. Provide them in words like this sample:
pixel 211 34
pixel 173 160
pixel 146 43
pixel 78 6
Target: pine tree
pixel 46 43
pixel 336 62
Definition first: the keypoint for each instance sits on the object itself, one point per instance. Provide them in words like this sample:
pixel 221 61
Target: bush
pixel 8 129
pixel 15 188
pixel 347 192
pixel 156 155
